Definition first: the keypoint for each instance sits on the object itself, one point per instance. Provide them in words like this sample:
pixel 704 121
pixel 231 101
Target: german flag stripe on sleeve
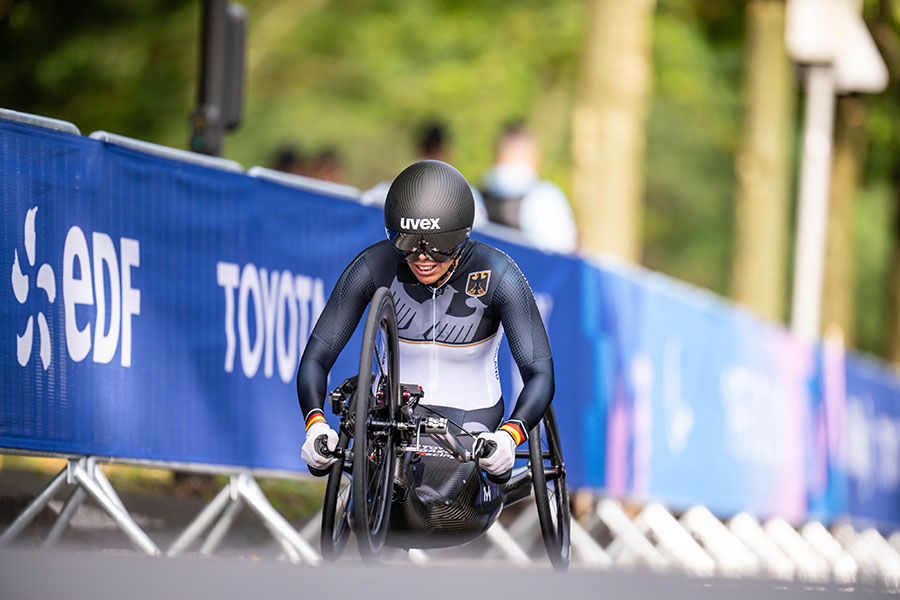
pixel 315 416
pixel 515 430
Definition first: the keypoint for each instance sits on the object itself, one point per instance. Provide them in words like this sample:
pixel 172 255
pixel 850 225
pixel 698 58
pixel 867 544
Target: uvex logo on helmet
pixel 407 223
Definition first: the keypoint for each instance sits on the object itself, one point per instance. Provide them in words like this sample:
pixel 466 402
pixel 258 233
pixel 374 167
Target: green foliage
pixel 361 76
pixel 125 67
pixel 692 138
pixel 874 214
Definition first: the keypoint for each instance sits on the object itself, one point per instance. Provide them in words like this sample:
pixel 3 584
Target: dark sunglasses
pixel 439 247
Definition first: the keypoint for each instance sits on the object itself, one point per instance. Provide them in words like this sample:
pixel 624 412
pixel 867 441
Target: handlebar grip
pixel 485 448
pixel 321 446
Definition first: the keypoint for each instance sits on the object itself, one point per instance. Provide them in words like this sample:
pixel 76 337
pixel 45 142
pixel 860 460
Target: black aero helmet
pixel 429 210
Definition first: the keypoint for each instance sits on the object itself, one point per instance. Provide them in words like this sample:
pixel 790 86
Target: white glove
pixel 504 456
pixel 309 453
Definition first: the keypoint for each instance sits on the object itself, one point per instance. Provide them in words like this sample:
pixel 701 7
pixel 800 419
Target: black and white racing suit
pixel 449 338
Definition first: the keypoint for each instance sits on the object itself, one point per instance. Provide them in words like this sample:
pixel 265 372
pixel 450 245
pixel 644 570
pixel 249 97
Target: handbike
pixel 379 425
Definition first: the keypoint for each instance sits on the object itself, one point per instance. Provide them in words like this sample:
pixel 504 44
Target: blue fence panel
pixel 157 310
pixel 705 403
pixel 181 299
pixel 872 443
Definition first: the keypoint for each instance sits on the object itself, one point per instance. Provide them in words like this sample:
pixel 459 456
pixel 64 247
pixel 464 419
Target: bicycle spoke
pixel 381 366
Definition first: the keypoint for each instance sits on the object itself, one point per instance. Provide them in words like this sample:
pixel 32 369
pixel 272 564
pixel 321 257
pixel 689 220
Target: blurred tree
pixel 692 138
pixel 848 158
pixel 126 67
pixel 764 164
pixel 885 131
pixel 609 127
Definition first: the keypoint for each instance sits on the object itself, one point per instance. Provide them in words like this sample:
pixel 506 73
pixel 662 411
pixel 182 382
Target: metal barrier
pixel 39 121
pixel 212 162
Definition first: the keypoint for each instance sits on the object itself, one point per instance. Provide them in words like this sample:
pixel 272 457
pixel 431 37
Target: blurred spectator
pixel 515 195
pixel 327 166
pixel 288 159
pixel 432 144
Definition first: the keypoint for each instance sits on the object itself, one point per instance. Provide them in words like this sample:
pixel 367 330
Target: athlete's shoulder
pixel 495 259
pixel 373 266
pixel 380 251
pixel 494 256
pixel 503 273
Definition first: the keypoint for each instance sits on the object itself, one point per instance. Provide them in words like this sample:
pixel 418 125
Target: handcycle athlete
pixel 449 299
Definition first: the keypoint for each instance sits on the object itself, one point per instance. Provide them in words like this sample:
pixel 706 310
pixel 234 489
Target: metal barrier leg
pixel 120 516
pixel 201 522
pixel 587 548
pixel 313 528
pixel 525 528
pixel 217 533
pixel 33 509
pixel 100 478
pixel 629 543
pixel 257 501
pixel 65 515
pixel 498 536
pixel 292 555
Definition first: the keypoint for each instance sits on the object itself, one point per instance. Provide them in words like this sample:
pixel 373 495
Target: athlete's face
pixel 428 271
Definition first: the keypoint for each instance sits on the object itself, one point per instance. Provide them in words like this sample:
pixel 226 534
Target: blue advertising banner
pixel 871 458
pixel 703 401
pixel 157 310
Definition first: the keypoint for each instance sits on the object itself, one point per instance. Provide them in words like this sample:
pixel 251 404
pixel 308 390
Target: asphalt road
pixel 94 561
pixel 30 575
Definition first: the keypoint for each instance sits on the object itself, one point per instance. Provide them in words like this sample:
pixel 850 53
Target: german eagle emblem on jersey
pixel 477 283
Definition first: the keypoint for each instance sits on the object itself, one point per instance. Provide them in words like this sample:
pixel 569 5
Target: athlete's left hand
pixel 504 457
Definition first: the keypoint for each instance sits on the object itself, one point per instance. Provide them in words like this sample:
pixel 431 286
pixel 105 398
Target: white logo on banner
pixel 679 414
pixel 285 308
pixel 83 284
pixel 756 422
pixel 872 446
pixel 20 285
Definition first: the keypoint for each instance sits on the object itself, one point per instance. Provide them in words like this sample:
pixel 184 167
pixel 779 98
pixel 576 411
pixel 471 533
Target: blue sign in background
pixel 176 300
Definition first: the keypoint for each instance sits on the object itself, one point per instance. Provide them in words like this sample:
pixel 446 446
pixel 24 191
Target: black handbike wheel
pixel 376 402
pixel 336 508
pixel 551 495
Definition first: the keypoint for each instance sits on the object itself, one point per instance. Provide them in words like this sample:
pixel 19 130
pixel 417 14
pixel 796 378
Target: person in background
pixel 327 166
pixel 432 143
pixel 288 159
pixel 517 197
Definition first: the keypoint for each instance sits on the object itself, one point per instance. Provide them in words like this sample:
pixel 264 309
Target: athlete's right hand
pixel 311 454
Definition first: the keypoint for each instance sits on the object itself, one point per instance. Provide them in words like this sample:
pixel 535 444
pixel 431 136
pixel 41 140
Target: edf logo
pixel 21 284
pixel 85 273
